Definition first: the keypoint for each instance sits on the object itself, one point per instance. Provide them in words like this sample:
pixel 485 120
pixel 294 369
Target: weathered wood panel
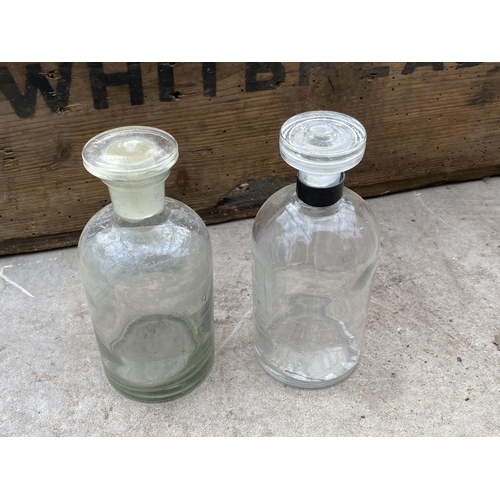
pixel 427 123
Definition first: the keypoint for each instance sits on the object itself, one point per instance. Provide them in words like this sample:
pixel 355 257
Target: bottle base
pixel 302 383
pixel 164 393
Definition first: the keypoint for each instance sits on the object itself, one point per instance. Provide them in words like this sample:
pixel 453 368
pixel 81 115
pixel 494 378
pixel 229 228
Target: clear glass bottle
pixel 146 266
pixel 315 247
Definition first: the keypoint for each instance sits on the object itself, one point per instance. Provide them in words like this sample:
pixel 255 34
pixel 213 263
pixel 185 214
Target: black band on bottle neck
pixel 320 197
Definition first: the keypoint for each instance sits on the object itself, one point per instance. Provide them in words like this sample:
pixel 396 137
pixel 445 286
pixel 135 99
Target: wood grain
pixel 427 124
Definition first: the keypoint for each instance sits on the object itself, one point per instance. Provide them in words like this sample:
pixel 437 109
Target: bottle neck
pixel 319 180
pixel 320 196
pixel 139 199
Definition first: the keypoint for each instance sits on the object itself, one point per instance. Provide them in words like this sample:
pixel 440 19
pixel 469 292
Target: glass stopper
pixel 322 142
pixel 130 153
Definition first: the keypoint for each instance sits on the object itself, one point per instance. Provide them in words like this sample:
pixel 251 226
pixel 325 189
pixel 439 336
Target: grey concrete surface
pixel 430 366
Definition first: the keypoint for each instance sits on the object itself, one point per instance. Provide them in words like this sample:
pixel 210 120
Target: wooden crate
pixel 427 124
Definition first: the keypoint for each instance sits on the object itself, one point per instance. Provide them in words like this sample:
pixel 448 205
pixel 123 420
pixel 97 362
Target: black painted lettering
pixel 166 82
pixel 412 66
pixel 468 64
pixel 209 79
pixel 253 84
pixel 371 72
pixel 305 70
pixel 36 80
pixel 99 81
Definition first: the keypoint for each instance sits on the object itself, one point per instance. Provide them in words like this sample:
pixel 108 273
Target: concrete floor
pixel 430 366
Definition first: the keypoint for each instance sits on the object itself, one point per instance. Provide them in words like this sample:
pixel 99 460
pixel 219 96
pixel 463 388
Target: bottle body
pixel 149 289
pixel 313 269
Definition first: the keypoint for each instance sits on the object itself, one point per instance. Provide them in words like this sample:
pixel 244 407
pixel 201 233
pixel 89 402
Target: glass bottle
pixel 146 266
pixel 315 247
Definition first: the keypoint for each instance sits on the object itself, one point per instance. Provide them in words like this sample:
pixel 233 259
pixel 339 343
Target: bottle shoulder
pixel 284 211
pixel 285 227
pixel 176 232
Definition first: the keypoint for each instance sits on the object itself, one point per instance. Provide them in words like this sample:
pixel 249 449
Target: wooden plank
pixel 427 124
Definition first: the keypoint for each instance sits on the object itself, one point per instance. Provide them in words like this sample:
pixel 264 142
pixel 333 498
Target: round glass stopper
pixel 130 153
pixel 322 142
